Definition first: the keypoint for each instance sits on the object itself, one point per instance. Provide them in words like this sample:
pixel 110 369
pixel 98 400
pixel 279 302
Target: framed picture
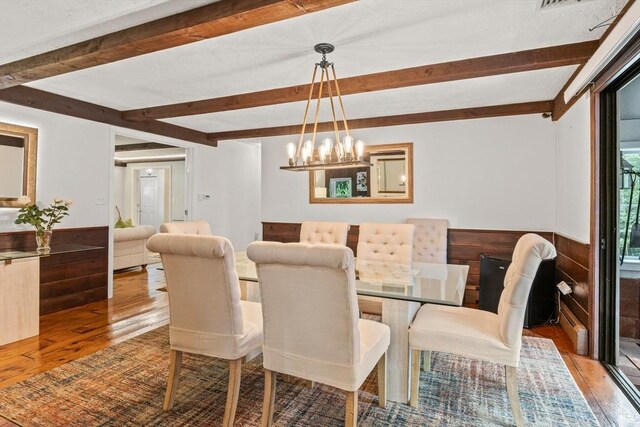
pixel 340 187
pixel 361 182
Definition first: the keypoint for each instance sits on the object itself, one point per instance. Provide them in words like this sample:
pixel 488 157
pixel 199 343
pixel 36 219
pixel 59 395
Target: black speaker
pixel 541 306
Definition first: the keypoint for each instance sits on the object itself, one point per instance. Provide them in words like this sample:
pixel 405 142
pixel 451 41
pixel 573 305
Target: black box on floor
pixel 541 306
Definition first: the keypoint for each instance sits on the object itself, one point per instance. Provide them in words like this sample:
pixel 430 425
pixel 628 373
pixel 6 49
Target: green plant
pixel 42 219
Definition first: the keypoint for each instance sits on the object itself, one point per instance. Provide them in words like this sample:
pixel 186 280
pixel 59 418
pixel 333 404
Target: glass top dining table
pixel 421 282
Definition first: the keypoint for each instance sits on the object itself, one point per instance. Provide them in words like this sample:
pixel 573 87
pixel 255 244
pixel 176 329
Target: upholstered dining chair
pixel 392 243
pixel 430 240
pixel 324 232
pixel 483 335
pixel 206 314
pixel 193 227
pixel 302 286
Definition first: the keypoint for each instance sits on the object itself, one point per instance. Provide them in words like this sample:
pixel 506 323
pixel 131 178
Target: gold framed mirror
pixel 18 151
pixel 388 180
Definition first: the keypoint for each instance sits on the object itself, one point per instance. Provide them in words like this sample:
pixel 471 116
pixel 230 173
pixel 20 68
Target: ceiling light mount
pixel 343 153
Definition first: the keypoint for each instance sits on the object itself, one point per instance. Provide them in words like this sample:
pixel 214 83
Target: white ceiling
pixel 370 36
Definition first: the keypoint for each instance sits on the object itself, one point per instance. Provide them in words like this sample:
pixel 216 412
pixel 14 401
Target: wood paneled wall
pixel 572 266
pixel 464 247
pixel 68 280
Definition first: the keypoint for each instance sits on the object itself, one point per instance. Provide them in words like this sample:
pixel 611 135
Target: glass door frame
pixel 608 219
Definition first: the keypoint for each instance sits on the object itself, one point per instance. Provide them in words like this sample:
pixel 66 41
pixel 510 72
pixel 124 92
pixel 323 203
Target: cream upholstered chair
pixel 206 314
pixel 481 334
pixel 324 232
pixel 194 227
pixel 302 286
pixel 392 243
pixel 430 240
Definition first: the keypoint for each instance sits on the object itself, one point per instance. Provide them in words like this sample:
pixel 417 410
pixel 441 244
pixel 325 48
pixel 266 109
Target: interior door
pixel 149 204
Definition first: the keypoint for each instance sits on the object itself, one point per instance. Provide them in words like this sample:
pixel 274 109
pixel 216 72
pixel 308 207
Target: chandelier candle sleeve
pixel 307 156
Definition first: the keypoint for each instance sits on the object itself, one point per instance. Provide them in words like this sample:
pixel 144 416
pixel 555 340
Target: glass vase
pixel 43 240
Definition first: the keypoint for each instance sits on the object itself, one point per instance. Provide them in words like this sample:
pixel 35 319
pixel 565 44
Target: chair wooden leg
pixel 172 382
pixel 382 381
pixel 415 378
pixel 426 361
pixel 269 398
pixel 511 374
pixel 351 412
pixel 235 369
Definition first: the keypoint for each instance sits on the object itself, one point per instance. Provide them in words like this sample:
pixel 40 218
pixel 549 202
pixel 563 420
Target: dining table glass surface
pixel 420 282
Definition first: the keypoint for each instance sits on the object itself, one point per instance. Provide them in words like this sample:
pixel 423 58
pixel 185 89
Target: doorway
pixel 619 213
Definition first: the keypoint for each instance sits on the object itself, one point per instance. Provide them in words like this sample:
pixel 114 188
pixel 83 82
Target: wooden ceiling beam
pixel 559 105
pixel 542 107
pixel 515 62
pixel 205 22
pixel 142 146
pixel 47 101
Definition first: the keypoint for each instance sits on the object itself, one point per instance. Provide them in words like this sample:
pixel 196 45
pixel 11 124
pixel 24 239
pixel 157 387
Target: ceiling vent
pixel 553 4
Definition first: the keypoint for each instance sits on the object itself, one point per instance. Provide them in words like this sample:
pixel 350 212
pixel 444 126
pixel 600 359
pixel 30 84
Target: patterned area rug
pixel 124 385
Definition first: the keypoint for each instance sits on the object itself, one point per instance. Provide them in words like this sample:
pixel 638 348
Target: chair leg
pixel 426 361
pixel 235 368
pixel 382 381
pixel 269 398
pixel 415 378
pixel 351 412
pixel 511 374
pixel 172 382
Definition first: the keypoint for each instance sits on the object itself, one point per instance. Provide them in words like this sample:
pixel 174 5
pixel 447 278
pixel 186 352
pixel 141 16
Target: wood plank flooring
pixel 138 306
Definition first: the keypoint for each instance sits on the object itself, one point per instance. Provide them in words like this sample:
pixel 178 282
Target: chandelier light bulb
pixel 359 148
pixel 291 152
pixel 347 141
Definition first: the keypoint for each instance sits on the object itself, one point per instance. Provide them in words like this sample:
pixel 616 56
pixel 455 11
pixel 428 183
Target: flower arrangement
pixel 42 219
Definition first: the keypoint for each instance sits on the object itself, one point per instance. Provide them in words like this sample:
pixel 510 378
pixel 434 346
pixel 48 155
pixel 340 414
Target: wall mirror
pixel 388 180
pixel 18 146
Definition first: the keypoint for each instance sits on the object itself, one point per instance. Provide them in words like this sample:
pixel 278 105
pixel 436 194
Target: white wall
pixel 230 174
pixel 574 171
pixel 119 175
pixel 73 163
pixel 497 173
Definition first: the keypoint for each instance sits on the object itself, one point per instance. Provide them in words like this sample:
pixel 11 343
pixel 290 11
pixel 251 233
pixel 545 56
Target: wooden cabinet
pixel 19 299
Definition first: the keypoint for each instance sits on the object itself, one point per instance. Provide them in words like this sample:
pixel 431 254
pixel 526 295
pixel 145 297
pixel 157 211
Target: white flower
pixel 68 202
pixel 24 200
pixel 57 200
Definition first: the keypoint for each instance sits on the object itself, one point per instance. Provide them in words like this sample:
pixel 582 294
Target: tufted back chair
pixel 334 233
pixel 530 250
pixel 302 286
pixel 204 292
pixel 206 314
pixel 430 240
pixel 195 227
pixel 386 242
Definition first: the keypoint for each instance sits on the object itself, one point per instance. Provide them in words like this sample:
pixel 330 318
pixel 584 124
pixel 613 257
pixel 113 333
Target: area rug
pixel 124 385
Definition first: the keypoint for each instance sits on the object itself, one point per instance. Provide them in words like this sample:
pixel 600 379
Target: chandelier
pixel 329 154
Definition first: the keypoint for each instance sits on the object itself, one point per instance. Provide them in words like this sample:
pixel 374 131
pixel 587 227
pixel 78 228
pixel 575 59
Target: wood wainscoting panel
pixel 464 247
pixel 72 279
pixel 572 266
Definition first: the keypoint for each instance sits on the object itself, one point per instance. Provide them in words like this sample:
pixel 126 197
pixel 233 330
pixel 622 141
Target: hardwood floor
pixel 138 306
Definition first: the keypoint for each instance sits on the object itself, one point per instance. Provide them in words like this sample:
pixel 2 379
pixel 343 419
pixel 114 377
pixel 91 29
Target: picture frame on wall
pixel 340 187
pixel 362 185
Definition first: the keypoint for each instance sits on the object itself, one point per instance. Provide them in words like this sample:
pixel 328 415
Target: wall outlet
pixel 101 199
pixel 564 288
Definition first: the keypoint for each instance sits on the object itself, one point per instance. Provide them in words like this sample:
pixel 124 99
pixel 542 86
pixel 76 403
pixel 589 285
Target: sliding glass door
pixel 620 225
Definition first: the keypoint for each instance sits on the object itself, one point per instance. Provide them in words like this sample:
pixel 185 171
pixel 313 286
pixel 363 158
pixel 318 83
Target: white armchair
pixel 206 314
pixel 392 243
pixel 481 334
pixel 430 240
pixel 194 227
pixel 302 286
pixel 324 232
